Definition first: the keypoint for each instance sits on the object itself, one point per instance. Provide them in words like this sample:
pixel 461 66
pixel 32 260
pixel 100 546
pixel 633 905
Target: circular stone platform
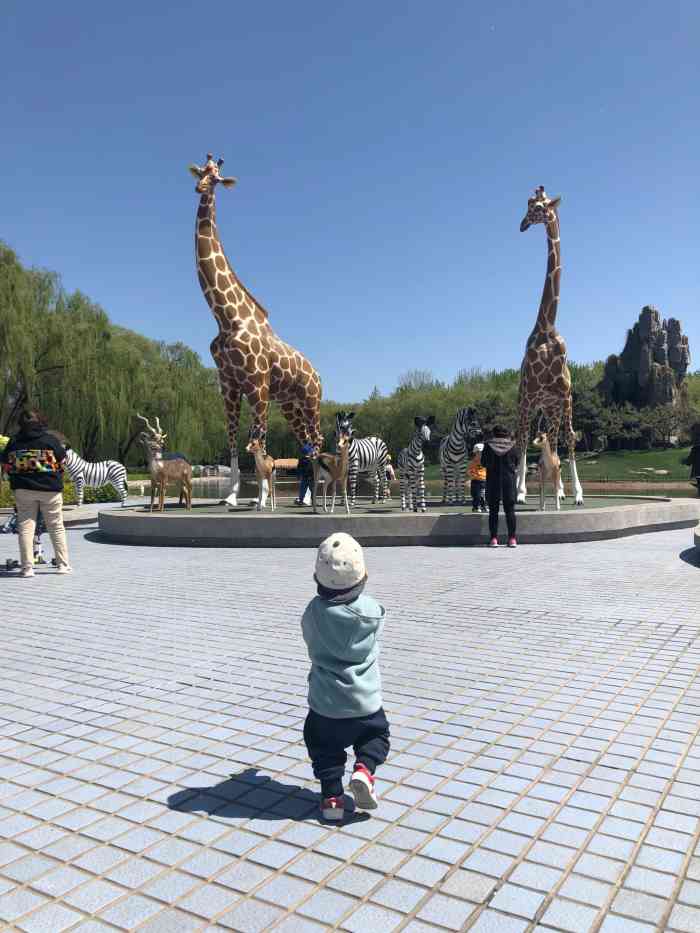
pixel 209 525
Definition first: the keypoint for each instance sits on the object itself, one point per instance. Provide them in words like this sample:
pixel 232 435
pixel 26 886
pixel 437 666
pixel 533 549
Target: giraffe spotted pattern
pixel 545 380
pixel 253 362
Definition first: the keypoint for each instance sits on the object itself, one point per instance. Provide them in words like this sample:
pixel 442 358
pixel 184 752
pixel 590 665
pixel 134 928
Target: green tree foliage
pixel 60 353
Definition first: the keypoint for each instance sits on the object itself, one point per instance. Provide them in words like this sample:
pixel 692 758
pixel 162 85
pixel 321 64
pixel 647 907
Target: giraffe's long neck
pixel 216 276
pixel 547 315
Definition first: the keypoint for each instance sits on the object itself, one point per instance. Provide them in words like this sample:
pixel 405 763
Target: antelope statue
pixel 266 473
pixel 549 468
pixel 333 470
pixel 164 471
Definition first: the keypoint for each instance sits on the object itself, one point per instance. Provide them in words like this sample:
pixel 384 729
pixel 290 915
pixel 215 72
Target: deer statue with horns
pixel 548 467
pixel 164 471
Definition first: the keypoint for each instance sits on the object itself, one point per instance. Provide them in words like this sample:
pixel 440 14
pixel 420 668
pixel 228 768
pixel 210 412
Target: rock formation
pixel 651 368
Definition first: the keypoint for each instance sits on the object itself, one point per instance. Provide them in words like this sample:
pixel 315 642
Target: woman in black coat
pixel 500 457
pixel 693 461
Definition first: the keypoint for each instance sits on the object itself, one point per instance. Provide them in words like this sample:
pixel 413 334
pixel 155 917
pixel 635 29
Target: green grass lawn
pixel 615 466
pixel 622 466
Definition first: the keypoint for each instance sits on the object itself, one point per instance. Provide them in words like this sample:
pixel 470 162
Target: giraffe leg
pixel 311 415
pixel 259 401
pixel 293 416
pixel 540 473
pixel 232 407
pixel 570 436
pixel 521 443
pixel 553 415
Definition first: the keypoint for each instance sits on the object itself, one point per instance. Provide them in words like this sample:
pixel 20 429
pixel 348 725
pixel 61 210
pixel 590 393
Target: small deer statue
pixel 164 471
pixel 266 473
pixel 549 468
pixel 333 470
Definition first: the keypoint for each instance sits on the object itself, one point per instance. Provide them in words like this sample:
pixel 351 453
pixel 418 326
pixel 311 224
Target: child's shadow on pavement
pixel 252 796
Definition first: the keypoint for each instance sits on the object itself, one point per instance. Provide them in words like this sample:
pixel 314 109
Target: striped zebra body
pixel 367 455
pixel 83 473
pixel 454 453
pixel 411 464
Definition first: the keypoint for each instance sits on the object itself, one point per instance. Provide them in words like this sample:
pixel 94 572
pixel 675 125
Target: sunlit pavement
pixel 545 766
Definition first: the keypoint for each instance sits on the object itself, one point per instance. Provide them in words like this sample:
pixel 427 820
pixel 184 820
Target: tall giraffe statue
pixel 545 380
pixel 251 359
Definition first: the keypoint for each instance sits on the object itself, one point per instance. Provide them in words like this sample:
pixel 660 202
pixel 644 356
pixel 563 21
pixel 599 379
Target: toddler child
pixel 341 628
pixel 477 475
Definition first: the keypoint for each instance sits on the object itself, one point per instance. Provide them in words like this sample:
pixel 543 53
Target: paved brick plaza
pixel 545 772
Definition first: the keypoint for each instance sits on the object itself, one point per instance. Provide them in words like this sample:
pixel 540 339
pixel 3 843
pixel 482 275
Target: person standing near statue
pixel 33 460
pixel 500 459
pixel 306 473
pixel 477 476
pixel 693 458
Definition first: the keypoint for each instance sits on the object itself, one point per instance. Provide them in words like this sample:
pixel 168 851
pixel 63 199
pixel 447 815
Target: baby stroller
pixel 10 528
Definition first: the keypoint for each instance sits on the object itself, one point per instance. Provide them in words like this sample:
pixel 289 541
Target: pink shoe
pixel 333 809
pixel 512 542
pixel 362 787
pixel 493 542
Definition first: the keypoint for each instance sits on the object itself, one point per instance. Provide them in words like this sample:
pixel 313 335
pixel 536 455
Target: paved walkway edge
pixel 130 526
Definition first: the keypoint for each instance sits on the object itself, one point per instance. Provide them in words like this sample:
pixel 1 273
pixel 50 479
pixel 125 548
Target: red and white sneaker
pixel 333 809
pixel 512 542
pixel 493 542
pixel 362 787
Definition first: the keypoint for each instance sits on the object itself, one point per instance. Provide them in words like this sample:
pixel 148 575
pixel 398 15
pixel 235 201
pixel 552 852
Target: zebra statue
pixel 84 474
pixel 411 464
pixel 365 455
pixel 455 449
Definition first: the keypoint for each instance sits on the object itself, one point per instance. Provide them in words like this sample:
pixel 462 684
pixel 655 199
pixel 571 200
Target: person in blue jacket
pixel 341 628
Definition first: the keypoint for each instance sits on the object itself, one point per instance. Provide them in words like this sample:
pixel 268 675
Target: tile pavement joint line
pixel 673 897
pixel 558 808
pixel 680 879
pixel 646 827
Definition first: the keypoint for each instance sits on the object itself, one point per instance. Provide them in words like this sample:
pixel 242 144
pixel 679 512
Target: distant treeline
pixel 60 353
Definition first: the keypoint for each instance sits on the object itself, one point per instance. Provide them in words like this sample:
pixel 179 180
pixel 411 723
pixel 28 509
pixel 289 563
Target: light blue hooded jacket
pixel 343 644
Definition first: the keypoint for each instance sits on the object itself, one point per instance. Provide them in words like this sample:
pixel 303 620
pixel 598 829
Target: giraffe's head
pixel 209 176
pixel 540 209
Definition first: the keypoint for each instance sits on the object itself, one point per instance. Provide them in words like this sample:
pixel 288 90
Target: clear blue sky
pixel 384 152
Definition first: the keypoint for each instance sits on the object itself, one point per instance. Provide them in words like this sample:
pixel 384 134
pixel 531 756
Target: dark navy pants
pixel 478 493
pixel 326 740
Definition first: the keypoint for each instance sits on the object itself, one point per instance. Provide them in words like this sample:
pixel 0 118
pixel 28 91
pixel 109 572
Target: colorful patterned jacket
pixel 33 460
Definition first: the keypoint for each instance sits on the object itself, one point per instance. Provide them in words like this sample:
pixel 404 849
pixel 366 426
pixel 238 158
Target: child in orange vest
pixel 477 475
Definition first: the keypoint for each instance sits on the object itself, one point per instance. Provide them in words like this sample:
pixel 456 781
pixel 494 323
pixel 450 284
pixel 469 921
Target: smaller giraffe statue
pixel 545 380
